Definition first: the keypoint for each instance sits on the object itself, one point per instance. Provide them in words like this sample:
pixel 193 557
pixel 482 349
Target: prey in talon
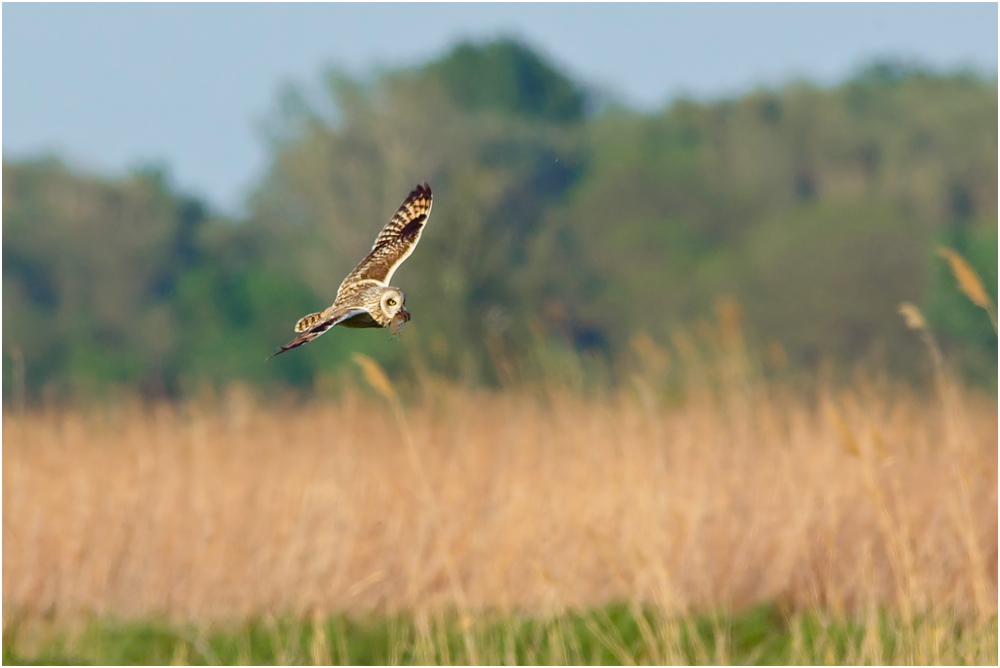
pixel 397 322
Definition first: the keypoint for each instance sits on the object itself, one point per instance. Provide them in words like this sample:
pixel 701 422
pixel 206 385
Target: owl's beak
pixel 401 318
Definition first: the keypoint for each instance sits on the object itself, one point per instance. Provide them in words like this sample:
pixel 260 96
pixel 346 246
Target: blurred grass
pixel 741 521
pixel 228 508
pixel 616 634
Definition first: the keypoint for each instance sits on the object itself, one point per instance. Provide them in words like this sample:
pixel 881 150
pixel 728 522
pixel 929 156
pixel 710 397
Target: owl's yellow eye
pixel 391 302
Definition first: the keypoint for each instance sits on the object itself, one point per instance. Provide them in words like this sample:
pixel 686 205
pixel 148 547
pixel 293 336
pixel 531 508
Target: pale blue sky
pixel 110 86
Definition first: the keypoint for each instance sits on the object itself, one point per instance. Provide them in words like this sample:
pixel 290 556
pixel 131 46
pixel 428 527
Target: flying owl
pixel 365 298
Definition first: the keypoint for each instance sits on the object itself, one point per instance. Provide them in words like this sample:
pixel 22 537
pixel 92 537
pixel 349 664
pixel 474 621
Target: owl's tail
pixel 305 323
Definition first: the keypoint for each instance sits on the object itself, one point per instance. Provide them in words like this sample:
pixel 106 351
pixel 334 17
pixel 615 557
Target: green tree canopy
pixel 555 231
pixel 507 77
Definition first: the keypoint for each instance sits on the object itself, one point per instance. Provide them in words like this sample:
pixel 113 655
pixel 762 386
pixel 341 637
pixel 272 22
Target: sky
pixel 109 87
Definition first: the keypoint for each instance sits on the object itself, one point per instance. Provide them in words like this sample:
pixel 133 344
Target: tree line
pixel 566 226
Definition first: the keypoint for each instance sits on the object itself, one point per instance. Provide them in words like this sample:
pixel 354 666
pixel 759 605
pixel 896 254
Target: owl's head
pixel 392 302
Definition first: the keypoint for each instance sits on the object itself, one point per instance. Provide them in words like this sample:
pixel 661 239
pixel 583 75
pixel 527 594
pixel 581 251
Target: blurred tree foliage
pixel 559 231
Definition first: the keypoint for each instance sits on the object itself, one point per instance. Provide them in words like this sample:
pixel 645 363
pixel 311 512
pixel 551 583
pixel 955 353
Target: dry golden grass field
pixel 855 502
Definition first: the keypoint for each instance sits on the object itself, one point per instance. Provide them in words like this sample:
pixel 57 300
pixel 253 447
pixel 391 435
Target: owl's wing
pixel 320 327
pixel 396 240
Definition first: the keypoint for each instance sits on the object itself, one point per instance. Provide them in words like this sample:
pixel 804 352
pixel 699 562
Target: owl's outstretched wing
pixel 319 327
pixel 396 240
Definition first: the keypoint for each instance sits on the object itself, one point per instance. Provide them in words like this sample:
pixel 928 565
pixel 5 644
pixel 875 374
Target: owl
pixel 365 298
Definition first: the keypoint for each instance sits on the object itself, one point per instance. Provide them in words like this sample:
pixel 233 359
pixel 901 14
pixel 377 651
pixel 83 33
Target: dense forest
pixel 567 230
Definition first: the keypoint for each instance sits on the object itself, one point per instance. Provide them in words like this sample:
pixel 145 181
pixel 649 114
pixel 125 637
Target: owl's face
pixel 392 302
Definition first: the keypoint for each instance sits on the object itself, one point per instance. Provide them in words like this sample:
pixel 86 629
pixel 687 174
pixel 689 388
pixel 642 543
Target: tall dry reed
pixel 849 501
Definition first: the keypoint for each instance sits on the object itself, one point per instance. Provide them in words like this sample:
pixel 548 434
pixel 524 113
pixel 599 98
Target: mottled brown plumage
pixel 365 298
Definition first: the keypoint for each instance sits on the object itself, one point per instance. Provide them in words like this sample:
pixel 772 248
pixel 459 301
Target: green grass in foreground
pixel 616 634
